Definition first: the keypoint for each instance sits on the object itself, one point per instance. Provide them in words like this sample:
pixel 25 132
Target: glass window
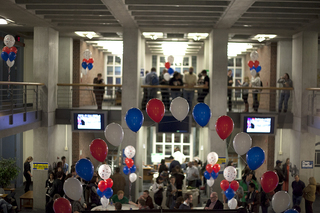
pixel 177 138
pixel 109 70
pixel 230 62
pixel 109 80
pixel 238 62
pixel 194 63
pixel 110 60
pixel 168 138
pixel 159 149
pixel 186 139
pixel 237 83
pixel 168 150
pixel 162 59
pixel 178 69
pixel 238 73
pixel 154 61
pixel 118 80
pixel 186 61
pixel 117 70
pixel 186 150
pixel 118 60
pixel 161 68
pixel 159 138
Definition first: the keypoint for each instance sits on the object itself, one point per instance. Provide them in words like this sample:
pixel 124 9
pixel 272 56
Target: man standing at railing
pixel 152 80
pixel 230 82
pixel 190 80
pixel 98 91
pixel 285 94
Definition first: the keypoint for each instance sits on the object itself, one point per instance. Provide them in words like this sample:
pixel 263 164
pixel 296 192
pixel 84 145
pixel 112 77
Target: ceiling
pixel 243 18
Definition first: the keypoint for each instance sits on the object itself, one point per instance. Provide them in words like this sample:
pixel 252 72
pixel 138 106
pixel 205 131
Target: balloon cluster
pixel 9 52
pixel 212 168
pixel 230 173
pixel 168 64
pixel 104 187
pixel 87 62
pixel 254 63
pixel 130 169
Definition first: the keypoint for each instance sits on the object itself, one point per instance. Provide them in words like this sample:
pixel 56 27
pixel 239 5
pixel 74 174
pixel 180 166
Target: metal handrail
pixel 21 83
pixel 313 89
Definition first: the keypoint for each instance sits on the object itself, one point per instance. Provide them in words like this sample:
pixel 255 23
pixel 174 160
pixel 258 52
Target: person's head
pixel 199 75
pixel 190 164
pixel 204 72
pixel 172 180
pixel 164 71
pixel 249 176
pixel 176 75
pixel 99 76
pixel 147 72
pixel 230 163
pixel 187 198
pixel 63 158
pixel 145 194
pixel 29 159
pixel 73 172
pixel 94 179
pixel 297 178
pixel 153 69
pixel 179 202
pixel 60 175
pixel 312 181
pixel 286 76
pixel 59 164
pixel 288 161
pixel 162 162
pixel 278 163
pixel 51 176
pixel 251 187
pixel 118 206
pixel 120 194
pixel 191 70
pixel 229 72
pixel 171 158
pixel 176 149
pixel 159 179
pixel 177 168
pixel 141 203
pixel 59 169
pixel 214 197
pixel 117 169
pixel 56 196
pixel 246 79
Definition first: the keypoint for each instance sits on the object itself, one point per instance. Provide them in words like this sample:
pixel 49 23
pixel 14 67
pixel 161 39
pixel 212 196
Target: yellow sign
pixel 222 160
pixel 41 166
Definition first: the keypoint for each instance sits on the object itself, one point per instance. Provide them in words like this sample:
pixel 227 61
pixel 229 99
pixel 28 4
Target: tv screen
pixel 259 125
pixel 88 121
pixel 169 124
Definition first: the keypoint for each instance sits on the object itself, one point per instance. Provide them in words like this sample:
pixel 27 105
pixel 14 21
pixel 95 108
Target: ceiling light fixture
pixel 3 21
pixel 153 37
pixel 263 37
pixel 197 36
pixel 88 34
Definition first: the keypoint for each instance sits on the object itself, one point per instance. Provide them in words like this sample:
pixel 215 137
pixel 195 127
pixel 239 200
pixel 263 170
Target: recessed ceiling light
pixel 247 25
pixel 3 21
pixel 88 34
pixel 262 37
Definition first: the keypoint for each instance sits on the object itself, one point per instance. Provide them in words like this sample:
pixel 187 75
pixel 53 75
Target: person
pixel 285 94
pixel 244 183
pixel 157 189
pixel 245 93
pixel 119 182
pixel 118 206
pixel 57 186
pixel 119 197
pixel 230 82
pixel 171 193
pixel 286 173
pixel 173 163
pixel 175 81
pixel 152 80
pixel 206 83
pixel 165 175
pixel 280 174
pixel 246 171
pixel 178 174
pixel 252 199
pixel 145 92
pixel 27 173
pixel 297 188
pixel 265 201
pixel 162 166
pixel 98 91
pixel 6 207
pixel 65 166
pixel 213 202
pixel 239 195
pixel 59 169
pixel 164 91
pixel 179 156
pixel 146 197
pixel 77 206
pixel 192 174
pixel 49 184
pixel 49 205
pixel 187 200
pixel 309 194
pixel 92 186
pixel 179 201
pixel 190 80
pixel 256 82
pixel 142 205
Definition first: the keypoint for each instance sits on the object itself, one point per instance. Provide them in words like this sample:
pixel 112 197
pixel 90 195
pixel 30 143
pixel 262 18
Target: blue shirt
pixel 65 168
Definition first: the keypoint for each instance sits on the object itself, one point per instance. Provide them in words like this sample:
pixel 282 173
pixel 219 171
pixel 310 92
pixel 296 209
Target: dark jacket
pixel 26 168
pixel 162 168
pixel 285 172
pixel 280 174
pixel 184 206
pixel 49 206
pixel 173 164
pixel 179 179
pixel 298 187
pixel 57 188
pixel 174 82
pixel 218 204
pixel 254 197
pixel 98 89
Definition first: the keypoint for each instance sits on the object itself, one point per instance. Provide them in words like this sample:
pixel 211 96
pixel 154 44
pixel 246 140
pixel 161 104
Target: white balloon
pixel 179 108
pixel 254 55
pixel 104 171
pixel 87 54
pixel 280 201
pixel 170 59
pixel 232 204
pixel 104 202
pixel 9 41
pixel 253 72
pixel 230 173
pixel 84 71
pixel 133 177
pixel 10 63
pixel 114 134
pixel 73 188
pixel 210 182
pixel 242 142
pixel 166 76
pixel 212 158
pixel 129 151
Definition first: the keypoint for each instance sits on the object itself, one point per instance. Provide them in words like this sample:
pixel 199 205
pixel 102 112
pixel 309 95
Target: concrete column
pixel 130 92
pixel 45 70
pixel 65 60
pixel 284 58
pixel 218 63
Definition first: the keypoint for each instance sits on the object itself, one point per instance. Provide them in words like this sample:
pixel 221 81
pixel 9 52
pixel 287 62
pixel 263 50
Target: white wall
pixel 27 146
pixel 65 60
pixel 28 61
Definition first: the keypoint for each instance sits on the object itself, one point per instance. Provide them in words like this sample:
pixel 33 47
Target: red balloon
pixel 250 64
pixel 224 126
pixel 99 149
pixel 102 185
pixel 129 162
pixel 167 65
pixel 209 168
pixel 269 181
pixel 216 168
pixel 256 64
pixel 234 185
pixel 109 182
pixel 90 60
pixel 85 60
pixel 13 49
pixel 224 185
pixel 62 205
pixel 6 49
pixel 155 109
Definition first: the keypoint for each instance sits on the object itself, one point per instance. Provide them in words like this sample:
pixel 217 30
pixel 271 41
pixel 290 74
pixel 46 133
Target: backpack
pixel 154 80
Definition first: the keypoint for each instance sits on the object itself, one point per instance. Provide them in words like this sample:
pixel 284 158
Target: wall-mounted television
pixel 88 121
pixel 259 124
pixel 169 124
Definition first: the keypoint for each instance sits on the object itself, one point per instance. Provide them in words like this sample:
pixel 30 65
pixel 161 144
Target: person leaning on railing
pixel 256 82
pixel 98 91
pixel 245 93
pixel 176 81
pixel 285 94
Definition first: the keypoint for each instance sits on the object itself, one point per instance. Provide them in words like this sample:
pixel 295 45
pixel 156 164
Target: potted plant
pixel 8 171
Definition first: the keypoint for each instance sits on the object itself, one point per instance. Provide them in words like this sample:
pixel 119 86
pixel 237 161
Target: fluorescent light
pixel 197 36
pixel 174 48
pixel 88 34
pixel 262 37
pixel 3 21
pixel 115 47
pixel 236 48
pixel 153 35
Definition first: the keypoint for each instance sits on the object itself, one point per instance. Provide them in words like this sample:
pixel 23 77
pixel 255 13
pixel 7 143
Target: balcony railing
pixel 314 101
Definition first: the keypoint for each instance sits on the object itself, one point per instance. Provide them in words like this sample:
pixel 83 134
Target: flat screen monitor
pixel 90 122
pixel 169 124
pixel 257 124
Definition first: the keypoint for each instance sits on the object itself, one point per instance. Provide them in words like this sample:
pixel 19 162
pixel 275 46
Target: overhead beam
pixel 169 14
pixel 176 9
pixel 67 7
pixel 150 18
pixel 177 2
pixel 71 12
pixel 283 11
pixel 304 4
pixel 43 2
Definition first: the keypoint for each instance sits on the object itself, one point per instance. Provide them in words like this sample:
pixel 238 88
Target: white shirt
pixel 192 170
pixel 179 156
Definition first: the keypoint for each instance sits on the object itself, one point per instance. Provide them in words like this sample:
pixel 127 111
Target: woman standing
pixel 171 193
pixel 256 82
pixel 178 174
pixel 285 170
pixel 309 194
pixel 157 189
pixel 163 166
pixel 245 93
pixel 49 184
pixel 27 173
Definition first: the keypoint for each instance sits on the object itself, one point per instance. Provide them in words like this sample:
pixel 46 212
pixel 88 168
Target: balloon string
pixel 129 188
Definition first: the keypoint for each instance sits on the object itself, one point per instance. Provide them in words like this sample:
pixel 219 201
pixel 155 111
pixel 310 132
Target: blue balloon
pixel 134 119
pixel 100 193
pixel 255 157
pixel 214 175
pixel 12 56
pixel 126 170
pixel 170 71
pixel 133 169
pixel 252 68
pixel 291 211
pixel 258 69
pixel 84 169
pixel 90 66
pixel 108 193
pixel 229 193
pixel 201 114
pixel 206 175
pixel 84 65
pixel 5 56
